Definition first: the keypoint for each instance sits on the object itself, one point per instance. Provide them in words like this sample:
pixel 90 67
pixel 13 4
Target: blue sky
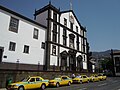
pixel 101 18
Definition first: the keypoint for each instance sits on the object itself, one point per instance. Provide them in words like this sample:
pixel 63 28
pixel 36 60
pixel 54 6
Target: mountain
pixel 102 54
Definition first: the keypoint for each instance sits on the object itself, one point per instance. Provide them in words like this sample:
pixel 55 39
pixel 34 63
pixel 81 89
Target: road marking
pixel 102 84
pixel 83 89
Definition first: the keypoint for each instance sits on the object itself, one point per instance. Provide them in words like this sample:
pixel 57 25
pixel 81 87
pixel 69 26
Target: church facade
pixel 53 39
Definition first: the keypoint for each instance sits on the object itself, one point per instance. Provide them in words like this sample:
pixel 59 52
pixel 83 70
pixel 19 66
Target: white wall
pixel 23 37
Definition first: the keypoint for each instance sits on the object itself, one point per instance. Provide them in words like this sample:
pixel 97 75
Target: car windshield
pixel 25 79
pixel 57 79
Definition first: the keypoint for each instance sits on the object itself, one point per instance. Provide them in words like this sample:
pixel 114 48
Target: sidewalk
pixel 3 89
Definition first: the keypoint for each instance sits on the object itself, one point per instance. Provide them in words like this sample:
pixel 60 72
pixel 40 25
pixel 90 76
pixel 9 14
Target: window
pixel 117 61
pixel 76 28
pixel 26 49
pixel 53 50
pixel 64 32
pixel 54 32
pixel 54 37
pixel 84 77
pixel 71 40
pixel 32 80
pixel 71 26
pixel 64 41
pixel 65 21
pixel 14 25
pixel 71 45
pixel 64 36
pixel 77 42
pixel 55 16
pixel 12 46
pixel 38 79
pixel 117 69
pixel 35 33
pixel 64 78
pixel 54 27
pixel 43 45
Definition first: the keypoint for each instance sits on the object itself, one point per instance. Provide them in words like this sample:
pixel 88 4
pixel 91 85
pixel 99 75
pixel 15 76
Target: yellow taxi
pixel 29 83
pixel 60 81
pixel 94 78
pixel 102 76
pixel 81 79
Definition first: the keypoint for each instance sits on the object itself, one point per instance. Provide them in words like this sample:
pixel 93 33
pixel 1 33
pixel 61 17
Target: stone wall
pixel 17 75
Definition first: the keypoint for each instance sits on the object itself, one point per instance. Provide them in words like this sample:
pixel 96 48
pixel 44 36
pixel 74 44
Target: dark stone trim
pixel 67 28
pixel 66 47
pixel 64 54
pixel 47 57
pixel 72 36
pixel 49 6
pixel 83 43
pixel 21 16
pixel 58 62
pixel 2 50
pixel 75 18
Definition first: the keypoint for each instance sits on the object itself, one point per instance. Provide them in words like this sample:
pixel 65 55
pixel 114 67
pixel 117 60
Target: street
pixel 112 83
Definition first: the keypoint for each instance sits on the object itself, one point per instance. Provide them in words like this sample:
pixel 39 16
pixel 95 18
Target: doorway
pixel 1 53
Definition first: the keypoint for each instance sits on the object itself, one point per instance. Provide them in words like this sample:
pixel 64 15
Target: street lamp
pixel 17 64
pixel 38 65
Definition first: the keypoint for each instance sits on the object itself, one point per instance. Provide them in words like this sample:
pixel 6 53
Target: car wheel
pixel 43 86
pixel 69 83
pixel 80 81
pixel 21 88
pixel 57 85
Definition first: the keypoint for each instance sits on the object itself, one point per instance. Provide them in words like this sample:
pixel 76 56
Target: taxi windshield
pixel 25 79
pixel 57 79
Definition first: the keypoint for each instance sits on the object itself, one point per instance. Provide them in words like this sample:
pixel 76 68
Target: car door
pixel 85 79
pixel 38 82
pixel 64 80
pixel 31 83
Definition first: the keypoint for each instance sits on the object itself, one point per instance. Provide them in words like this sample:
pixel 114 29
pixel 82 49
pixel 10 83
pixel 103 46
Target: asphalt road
pixel 112 83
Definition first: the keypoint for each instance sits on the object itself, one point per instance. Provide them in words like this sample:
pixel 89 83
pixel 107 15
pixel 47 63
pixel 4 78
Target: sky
pixel 100 17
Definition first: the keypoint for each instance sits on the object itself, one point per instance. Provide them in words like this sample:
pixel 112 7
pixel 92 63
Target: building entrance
pixel 1 53
pixel 72 60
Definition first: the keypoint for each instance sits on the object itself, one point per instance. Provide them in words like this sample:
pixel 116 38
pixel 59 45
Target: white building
pixel 55 38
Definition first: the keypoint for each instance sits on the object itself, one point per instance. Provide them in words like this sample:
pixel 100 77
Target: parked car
pixel 81 79
pixel 33 82
pixel 104 77
pixel 94 78
pixel 100 76
pixel 60 81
